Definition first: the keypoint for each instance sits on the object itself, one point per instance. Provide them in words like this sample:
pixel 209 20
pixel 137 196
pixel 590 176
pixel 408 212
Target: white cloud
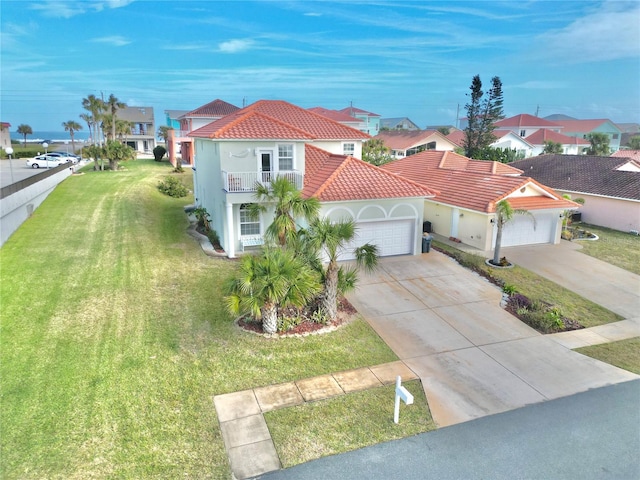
pixel 235 46
pixel 71 8
pixel 609 33
pixel 540 85
pixel 114 40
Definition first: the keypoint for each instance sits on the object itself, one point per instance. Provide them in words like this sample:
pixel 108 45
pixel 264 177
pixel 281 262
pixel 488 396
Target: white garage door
pixel 520 231
pixel 392 237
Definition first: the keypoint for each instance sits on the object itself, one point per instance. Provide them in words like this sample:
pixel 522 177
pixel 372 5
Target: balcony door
pixel 266 166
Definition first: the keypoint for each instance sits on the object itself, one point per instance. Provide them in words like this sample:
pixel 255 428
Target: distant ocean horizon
pixel 39 136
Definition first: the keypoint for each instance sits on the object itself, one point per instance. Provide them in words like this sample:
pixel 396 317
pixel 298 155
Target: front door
pixel 266 166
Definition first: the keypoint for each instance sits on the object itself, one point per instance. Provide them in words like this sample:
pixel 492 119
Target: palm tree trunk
pixel 496 252
pixel 269 318
pixel 330 294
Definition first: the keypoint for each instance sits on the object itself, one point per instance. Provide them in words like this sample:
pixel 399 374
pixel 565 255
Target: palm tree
pixel 123 129
pixel 24 130
pixel 289 205
pixel 163 132
pixel 87 118
pixel 72 126
pixel 504 214
pixel 331 239
pixel 95 107
pixel 265 282
pixel 113 105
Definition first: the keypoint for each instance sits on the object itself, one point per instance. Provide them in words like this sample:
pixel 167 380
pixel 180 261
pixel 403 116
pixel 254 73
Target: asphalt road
pixel 591 435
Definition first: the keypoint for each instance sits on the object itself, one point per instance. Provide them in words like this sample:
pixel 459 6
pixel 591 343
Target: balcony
pixel 247 181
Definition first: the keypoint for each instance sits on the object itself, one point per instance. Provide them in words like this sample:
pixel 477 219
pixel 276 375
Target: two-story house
pixel 582 128
pixel 142 136
pixel 320 156
pixel 371 121
pixel 179 141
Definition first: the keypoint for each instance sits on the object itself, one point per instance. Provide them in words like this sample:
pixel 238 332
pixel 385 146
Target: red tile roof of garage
pixel 472 190
pixel 277 119
pixel 331 177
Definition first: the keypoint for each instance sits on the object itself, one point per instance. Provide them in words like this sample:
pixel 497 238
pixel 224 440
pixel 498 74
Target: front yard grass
pixel 624 353
pixel 114 340
pixel 621 249
pixel 535 287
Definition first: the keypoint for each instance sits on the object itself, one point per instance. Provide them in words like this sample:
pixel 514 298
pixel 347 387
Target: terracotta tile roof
pixel 457 137
pixel 544 135
pixel 582 126
pixel 526 120
pixel 353 111
pixel 632 154
pixel 471 190
pixel 405 139
pixel 334 115
pixel 332 178
pixel 277 119
pixel 217 108
pixel 584 174
pixel 453 161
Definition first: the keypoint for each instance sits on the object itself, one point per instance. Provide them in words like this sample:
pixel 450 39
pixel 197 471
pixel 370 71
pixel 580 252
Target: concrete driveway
pixel 473 358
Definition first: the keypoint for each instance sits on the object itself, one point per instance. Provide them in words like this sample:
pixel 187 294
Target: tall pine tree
pixel 484 109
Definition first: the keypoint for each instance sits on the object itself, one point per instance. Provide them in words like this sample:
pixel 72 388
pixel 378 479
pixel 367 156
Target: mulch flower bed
pixel 307 326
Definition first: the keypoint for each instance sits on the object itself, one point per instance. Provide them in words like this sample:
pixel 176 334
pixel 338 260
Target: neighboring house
pixel 275 138
pixel 582 128
pixel 5 135
pixel 179 141
pixel 340 117
pixel 371 121
pixel 610 186
pixel 505 139
pixel 402 123
pixel 570 145
pixel 468 191
pixel 632 154
pixel 143 133
pixel 628 130
pixel 525 125
pixel 172 120
pixel 402 143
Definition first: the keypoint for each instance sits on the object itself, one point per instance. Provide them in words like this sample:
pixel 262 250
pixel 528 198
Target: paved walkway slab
pixel 319 388
pixel 356 380
pixel 278 396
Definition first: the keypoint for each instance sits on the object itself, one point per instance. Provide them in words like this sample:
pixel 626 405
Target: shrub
pixel 203 218
pixel 214 238
pixel 178 168
pixel 509 289
pixel 518 300
pixel 173 187
pixel 286 323
pixel 159 152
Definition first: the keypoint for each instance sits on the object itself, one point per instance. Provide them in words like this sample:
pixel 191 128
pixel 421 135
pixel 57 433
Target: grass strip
pixel 623 354
pixel 348 422
pixel 621 249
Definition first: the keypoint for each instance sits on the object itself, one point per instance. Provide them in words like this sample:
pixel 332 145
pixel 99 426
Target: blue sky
pixel 394 58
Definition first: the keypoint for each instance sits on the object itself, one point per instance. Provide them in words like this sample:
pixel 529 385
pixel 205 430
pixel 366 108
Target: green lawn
pixel 621 249
pixel 624 354
pixel 114 339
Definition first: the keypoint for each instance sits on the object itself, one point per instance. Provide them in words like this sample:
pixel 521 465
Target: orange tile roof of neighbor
pixel 216 108
pixel 405 139
pixel 526 120
pixel 276 119
pixel 333 114
pixel 472 190
pixel 544 135
pixel 332 178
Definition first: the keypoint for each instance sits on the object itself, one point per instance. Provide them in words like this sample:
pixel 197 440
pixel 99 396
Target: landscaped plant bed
pixel 301 322
pixel 576 233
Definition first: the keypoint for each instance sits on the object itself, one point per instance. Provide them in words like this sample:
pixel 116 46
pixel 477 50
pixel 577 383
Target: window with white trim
pixel 285 157
pixel 249 225
pixel 348 149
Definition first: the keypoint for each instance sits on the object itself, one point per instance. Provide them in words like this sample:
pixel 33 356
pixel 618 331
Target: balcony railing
pixel 248 181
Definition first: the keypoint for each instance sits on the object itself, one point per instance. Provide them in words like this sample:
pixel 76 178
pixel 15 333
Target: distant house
pixel 570 145
pixel 610 186
pixel 403 143
pixel 582 128
pixel 5 135
pixel 340 117
pixel 371 121
pixel 180 142
pixel 628 130
pixel 401 123
pixel 505 139
pixel 525 125
pixel 468 192
pixel 632 154
pixel 142 136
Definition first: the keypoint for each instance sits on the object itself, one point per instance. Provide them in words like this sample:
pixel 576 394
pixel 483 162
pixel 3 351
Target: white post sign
pixel 401 393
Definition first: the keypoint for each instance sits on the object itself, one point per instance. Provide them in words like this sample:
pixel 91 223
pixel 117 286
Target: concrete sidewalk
pixel 473 358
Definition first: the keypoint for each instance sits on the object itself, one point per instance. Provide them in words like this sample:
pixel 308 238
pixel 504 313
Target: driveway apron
pixel 473 358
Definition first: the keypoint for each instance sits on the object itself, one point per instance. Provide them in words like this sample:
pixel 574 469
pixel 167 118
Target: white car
pixel 49 160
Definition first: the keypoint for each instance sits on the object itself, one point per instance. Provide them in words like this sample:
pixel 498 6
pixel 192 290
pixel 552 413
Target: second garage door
pixel 392 237
pixel 520 230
